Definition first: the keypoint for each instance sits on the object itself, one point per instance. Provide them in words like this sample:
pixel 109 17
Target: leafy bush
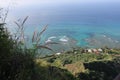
pixel 91 75
pixel 20 63
pixel 52 73
pixel 6 43
pixel 72 58
pixel 114 51
pixel 57 63
pixel 116 63
pixel 42 62
pixel 14 63
pixel 67 61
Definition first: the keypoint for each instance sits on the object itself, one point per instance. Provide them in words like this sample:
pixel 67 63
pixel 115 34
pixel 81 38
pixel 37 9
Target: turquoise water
pixel 92 25
pixel 83 33
pixel 91 36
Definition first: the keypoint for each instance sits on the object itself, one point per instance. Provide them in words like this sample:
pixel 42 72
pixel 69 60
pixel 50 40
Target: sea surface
pixel 88 25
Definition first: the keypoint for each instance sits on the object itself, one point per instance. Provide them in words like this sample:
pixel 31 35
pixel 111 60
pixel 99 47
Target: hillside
pixel 87 66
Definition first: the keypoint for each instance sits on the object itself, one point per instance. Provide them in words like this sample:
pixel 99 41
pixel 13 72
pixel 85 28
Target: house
pixel 57 53
pixel 89 50
pixel 95 51
pixel 100 50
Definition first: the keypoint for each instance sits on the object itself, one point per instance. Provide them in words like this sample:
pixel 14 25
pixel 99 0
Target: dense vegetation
pixel 15 64
pixel 20 63
pixel 88 66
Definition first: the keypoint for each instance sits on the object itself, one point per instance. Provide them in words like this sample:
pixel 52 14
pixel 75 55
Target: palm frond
pixel 44 47
pixel 17 24
pixel 51 43
pixel 43 30
pixel 6 14
pixel 38 38
pixel 24 21
pixel 33 37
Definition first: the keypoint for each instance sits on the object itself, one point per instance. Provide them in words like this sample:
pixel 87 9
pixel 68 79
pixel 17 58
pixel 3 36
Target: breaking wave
pixel 64 43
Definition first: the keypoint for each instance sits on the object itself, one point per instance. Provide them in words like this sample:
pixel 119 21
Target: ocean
pixel 88 25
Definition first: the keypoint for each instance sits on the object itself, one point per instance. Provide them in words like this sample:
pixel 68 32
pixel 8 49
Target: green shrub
pixel 91 75
pixel 42 62
pixel 107 69
pixel 14 63
pixel 67 61
pixel 52 73
pixel 57 63
pixel 114 51
pixel 51 60
pixel 116 63
pixel 6 43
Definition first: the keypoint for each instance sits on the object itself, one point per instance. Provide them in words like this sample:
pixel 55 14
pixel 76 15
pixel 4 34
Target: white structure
pixel 57 53
pixel 94 50
pixel 89 50
pixel 100 50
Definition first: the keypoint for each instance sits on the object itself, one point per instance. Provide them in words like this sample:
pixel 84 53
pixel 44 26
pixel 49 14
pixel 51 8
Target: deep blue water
pixel 84 25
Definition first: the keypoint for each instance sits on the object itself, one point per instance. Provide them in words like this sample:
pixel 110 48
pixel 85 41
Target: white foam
pixel 64 39
pixel 110 39
pixel 52 37
pixel 117 41
pixel 47 41
pixel 104 36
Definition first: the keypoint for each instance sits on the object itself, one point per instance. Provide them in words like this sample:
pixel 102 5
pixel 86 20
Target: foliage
pixel 20 63
pixel 36 44
pixel 89 66
pixel 91 75
pixel 42 62
pixel 17 67
pixel 57 63
pixel 6 44
pixel 46 71
pixel 72 58
pixel 116 62
pixel 14 64
pixel 75 68
pixel 100 70
pixel 114 51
